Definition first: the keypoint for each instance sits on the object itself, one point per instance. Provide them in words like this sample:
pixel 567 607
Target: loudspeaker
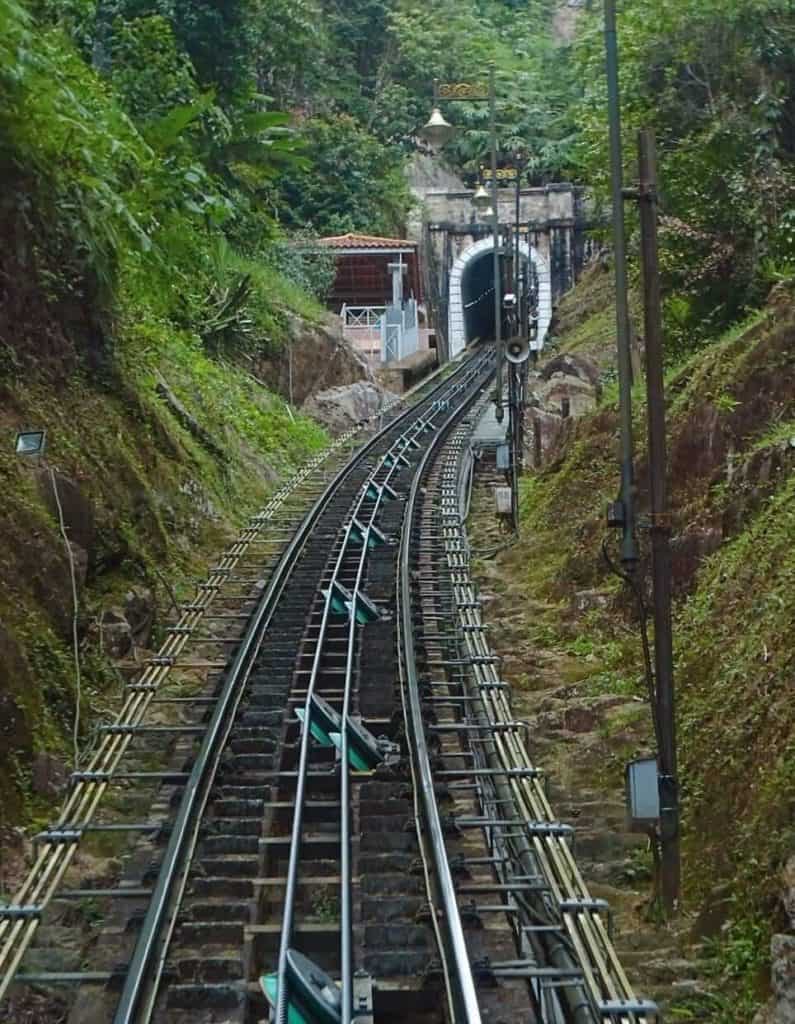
pixel 517 350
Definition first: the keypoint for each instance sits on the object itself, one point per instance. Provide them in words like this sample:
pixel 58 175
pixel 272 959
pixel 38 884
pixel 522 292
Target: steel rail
pixel 19 919
pixel 300 796
pixel 54 857
pixel 389 461
pixel 581 919
pixel 142 981
pixel 458 973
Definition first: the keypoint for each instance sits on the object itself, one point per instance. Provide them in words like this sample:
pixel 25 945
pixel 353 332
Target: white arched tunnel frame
pixel 456 324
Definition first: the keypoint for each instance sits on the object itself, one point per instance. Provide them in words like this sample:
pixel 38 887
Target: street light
pixel 30 442
pixel 437 131
pixel 481 200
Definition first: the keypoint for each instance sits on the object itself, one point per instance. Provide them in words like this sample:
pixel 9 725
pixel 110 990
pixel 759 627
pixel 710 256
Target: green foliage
pixel 354 182
pixel 75 151
pixel 311 269
pixel 733 613
pixel 220 37
pixel 374 61
pixel 288 55
pixel 715 80
pixel 534 80
pixel 738 963
pixel 150 73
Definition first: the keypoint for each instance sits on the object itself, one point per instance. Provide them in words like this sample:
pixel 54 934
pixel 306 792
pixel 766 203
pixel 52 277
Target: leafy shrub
pixel 150 74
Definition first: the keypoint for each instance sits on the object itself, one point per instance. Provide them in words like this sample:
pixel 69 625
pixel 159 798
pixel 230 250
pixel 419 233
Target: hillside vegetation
pixel 161 158
pixel 158 161
pixel 732 454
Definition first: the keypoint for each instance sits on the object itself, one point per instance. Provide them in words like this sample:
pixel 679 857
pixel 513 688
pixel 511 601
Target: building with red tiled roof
pixel 378 304
pixel 363 275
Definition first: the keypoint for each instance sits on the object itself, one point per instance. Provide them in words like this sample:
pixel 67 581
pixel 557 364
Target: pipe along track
pixel 306 831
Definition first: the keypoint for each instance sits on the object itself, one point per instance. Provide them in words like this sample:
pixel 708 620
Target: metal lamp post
pixel 437 131
pixel 623 512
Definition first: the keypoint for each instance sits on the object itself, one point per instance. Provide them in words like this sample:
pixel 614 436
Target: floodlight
pixel 30 442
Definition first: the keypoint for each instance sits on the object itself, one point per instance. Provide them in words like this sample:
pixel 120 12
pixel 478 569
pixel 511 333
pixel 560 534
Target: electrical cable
pixel 643 614
pixel 75 612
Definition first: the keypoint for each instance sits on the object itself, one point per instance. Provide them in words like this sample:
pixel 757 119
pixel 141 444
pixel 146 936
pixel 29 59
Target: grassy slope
pixel 163 505
pixel 731 422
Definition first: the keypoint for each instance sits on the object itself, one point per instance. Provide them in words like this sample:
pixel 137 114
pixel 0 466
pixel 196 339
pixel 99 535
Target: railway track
pixel 350 823
pixel 534 931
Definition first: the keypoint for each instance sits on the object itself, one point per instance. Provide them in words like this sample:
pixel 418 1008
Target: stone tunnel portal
pixel 471 303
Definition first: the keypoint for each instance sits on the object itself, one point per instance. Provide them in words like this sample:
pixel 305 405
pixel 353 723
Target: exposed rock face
pixel 566 388
pixel 15 733
pixel 569 365
pixel 688 551
pixel 782 955
pixel 754 481
pixel 340 408
pixel 715 911
pixel 121 628
pixel 139 610
pixel 587 600
pixel 426 174
pixel 781 1007
pixel 564 25
pixel 48 776
pixel 788 892
pixel 78 512
pixel 115 635
pixel 321 359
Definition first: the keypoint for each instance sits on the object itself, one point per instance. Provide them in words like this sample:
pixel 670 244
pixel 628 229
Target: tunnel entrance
pixel 471 300
pixel 477 294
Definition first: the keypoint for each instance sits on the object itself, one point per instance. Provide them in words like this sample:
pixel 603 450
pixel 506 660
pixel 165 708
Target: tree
pixel 354 183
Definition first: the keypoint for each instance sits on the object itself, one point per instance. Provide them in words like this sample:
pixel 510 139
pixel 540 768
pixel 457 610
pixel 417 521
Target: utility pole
pixel 495 227
pixel 660 528
pixel 623 513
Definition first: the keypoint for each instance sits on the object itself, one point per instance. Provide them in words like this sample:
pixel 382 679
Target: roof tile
pixel 353 240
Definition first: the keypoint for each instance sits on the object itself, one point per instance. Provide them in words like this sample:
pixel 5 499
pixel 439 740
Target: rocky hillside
pixel 563 617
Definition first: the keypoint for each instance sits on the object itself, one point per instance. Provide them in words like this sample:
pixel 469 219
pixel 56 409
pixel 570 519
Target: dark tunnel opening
pixel 477 294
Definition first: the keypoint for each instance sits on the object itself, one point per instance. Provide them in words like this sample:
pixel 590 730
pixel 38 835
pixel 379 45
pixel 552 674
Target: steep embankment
pixel 157 452
pixel 571 630
pixel 142 279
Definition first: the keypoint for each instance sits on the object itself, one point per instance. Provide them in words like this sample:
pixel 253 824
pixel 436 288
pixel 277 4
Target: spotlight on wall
pixel 30 442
